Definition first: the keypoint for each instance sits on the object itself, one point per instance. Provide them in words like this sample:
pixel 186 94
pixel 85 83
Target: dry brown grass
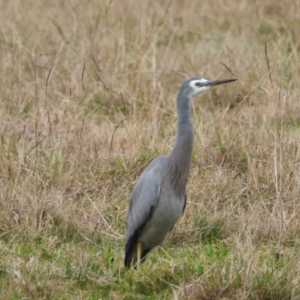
pixel 88 99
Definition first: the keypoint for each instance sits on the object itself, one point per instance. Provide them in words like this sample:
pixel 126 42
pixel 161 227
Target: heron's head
pixel 198 85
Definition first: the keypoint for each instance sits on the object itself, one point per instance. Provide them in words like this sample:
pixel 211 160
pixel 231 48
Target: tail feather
pixel 130 248
pixel 131 251
pixel 131 258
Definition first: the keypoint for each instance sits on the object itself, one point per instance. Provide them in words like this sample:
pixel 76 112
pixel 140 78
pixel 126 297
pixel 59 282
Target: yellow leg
pixel 160 250
pixel 139 255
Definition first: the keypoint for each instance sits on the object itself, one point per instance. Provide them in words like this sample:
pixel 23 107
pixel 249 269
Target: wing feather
pixel 143 201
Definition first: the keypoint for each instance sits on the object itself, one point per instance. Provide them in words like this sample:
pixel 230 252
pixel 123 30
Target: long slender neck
pixel 179 161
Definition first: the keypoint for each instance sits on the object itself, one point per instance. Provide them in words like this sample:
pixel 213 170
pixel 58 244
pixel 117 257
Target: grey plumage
pixel 159 196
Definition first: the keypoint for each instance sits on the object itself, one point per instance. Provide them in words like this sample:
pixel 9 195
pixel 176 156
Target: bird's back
pixel 145 195
pixel 154 209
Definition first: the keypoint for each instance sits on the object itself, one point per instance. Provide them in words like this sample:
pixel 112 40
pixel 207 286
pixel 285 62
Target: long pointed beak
pixel 211 83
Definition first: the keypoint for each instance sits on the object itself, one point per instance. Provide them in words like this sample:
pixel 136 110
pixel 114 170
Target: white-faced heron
pixel 159 197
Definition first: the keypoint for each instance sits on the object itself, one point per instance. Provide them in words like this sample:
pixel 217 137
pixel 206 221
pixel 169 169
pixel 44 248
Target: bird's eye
pixel 198 84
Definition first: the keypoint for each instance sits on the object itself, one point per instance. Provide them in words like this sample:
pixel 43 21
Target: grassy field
pixel 87 100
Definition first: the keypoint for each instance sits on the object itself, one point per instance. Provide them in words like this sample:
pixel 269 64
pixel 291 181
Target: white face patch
pixel 203 80
pixel 198 89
